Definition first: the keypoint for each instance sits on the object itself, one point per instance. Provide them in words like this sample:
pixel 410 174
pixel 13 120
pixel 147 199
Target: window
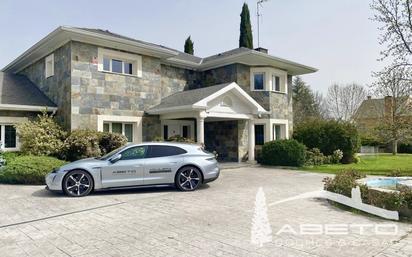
pixel 165 132
pixel 185 131
pixel 277 129
pixel 49 66
pixel 227 102
pixel 164 151
pixel 259 81
pixel 275 83
pixel 259 134
pixel 133 153
pixel 8 136
pixel 125 129
pixel 119 62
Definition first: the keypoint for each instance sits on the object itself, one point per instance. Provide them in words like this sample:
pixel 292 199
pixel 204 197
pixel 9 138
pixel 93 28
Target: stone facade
pixel 222 137
pixel 57 87
pixel 82 93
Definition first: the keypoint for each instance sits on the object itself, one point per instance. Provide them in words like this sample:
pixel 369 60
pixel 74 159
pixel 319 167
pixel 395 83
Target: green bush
pixel 405 148
pixel 387 200
pixel 314 157
pixel 343 182
pixel 111 141
pixel 27 169
pixel 370 140
pixel 336 156
pixel 328 136
pixel 286 152
pixel 178 138
pixel 82 143
pixel 42 136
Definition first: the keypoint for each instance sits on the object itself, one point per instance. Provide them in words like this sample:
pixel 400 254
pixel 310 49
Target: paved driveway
pixel 213 221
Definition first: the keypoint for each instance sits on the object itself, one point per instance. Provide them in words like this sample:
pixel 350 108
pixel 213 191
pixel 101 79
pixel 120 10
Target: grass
pixel 381 164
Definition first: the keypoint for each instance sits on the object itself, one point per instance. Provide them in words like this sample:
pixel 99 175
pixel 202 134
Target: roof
pixel 106 38
pixel 199 99
pixel 370 108
pixel 188 97
pixel 18 90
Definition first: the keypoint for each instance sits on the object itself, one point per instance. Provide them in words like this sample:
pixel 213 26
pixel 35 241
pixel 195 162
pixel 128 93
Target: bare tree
pixel 344 100
pixel 395 18
pixel 395 118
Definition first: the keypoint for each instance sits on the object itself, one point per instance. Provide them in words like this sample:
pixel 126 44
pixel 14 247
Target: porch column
pixel 251 138
pixel 200 124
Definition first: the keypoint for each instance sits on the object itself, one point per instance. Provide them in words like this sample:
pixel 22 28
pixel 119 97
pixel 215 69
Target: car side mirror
pixel 115 158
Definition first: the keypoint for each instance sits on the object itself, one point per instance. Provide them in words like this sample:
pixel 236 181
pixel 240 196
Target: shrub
pixel 111 141
pixel 370 140
pixel 287 152
pixel 343 182
pixel 43 136
pixel 314 157
pixel 178 138
pixel 336 156
pixel 329 136
pixel 405 148
pixel 387 200
pixel 28 169
pixel 82 143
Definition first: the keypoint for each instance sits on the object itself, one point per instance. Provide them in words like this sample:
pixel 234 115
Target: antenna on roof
pixel 258 14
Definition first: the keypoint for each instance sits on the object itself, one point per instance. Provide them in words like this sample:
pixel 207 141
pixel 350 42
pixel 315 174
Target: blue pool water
pixel 384 182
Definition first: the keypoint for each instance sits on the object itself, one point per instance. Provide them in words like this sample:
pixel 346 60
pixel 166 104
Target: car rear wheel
pixel 77 183
pixel 188 178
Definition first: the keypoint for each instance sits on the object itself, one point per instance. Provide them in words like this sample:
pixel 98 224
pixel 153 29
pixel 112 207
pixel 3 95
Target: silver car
pixel 185 165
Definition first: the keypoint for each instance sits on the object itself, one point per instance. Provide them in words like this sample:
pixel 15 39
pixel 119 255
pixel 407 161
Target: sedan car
pixel 187 166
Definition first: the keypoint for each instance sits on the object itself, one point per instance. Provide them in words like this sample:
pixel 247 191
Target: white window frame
pixel 269 128
pixel 180 124
pixel 123 127
pixel 134 59
pixel 135 121
pixel 49 65
pixel 10 121
pixel 269 73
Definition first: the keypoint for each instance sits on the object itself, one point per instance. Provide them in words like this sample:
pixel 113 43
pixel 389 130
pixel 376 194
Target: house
pixel 97 79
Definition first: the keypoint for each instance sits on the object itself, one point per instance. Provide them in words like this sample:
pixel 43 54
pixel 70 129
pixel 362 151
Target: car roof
pixel 177 144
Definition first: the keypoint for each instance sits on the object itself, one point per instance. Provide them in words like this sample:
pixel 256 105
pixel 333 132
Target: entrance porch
pixel 220 117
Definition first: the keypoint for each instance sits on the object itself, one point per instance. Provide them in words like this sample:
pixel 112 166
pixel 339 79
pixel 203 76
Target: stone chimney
pixel 369 97
pixel 262 50
pixel 388 106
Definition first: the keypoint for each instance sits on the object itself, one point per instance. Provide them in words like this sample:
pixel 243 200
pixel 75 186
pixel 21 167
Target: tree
pixel 395 18
pixel 306 104
pixel 395 123
pixel 246 38
pixel 344 100
pixel 189 46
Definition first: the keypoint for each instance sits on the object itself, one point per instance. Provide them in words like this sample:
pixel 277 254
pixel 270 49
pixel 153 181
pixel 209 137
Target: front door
pixel 128 171
pixel 161 164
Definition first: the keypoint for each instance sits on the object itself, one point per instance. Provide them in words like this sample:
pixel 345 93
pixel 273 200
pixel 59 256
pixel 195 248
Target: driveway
pixel 220 219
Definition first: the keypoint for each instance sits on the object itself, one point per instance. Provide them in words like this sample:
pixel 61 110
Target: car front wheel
pixel 77 183
pixel 188 178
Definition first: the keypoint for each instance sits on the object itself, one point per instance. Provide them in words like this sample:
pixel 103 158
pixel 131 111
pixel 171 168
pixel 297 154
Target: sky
pixel 337 37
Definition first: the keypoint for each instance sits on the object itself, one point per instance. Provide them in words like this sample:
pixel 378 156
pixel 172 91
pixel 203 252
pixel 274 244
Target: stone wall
pixel 99 93
pixel 57 87
pixel 151 128
pixel 222 137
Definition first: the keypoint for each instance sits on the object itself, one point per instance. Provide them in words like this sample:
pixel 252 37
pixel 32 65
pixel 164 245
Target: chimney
pixel 369 97
pixel 262 50
pixel 388 106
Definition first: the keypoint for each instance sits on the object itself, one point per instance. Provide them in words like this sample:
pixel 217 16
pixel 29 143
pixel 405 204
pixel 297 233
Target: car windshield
pixel 112 153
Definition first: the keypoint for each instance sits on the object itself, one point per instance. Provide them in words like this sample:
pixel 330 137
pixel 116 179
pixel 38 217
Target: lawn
pixel 381 164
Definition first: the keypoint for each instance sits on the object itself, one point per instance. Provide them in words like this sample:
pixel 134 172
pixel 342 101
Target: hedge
pixel 27 169
pixel 328 136
pixel 286 152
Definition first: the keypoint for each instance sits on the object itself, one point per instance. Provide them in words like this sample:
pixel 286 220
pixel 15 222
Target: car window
pixel 112 153
pixel 163 151
pixel 137 152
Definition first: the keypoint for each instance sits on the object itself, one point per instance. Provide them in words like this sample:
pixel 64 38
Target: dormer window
pixel 49 66
pixel 120 62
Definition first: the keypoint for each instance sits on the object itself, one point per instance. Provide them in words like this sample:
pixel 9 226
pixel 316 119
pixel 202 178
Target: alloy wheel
pixel 78 183
pixel 189 179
